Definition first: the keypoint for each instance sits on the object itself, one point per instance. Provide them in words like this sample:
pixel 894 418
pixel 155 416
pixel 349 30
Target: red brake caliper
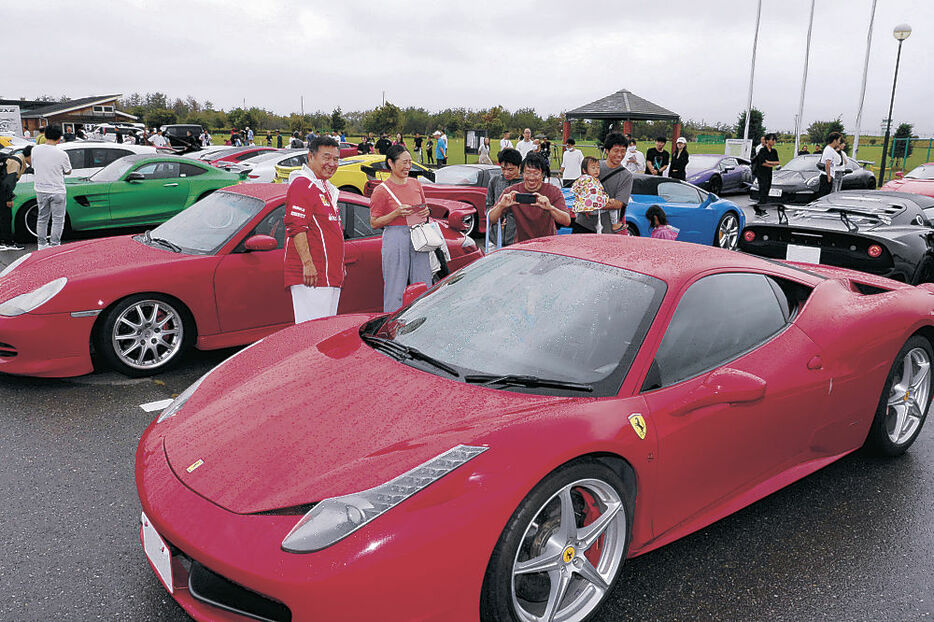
pixel 591 513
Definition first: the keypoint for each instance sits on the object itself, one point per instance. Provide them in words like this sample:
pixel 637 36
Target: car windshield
pixel 115 170
pixel 531 313
pixel 457 176
pixel 207 225
pixel 921 172
pixel 803 164
pixel 703 162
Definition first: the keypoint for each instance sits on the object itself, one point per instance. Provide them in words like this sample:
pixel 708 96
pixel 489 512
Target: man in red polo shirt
pixel 537 219
pixel 314 246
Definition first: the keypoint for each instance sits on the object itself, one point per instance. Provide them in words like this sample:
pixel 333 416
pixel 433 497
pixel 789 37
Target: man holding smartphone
pixel 536 205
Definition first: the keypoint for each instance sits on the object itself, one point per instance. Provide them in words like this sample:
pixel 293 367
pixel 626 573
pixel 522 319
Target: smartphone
pixel 526 198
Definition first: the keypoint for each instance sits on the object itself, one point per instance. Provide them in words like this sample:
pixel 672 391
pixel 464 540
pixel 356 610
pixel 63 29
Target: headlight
pixel 10 267
pixel 334 519
pixel 24 303
pixel 173 408
pixel 813 181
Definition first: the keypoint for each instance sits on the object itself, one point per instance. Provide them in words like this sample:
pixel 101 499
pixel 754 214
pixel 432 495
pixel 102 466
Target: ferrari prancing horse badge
pixel 638 424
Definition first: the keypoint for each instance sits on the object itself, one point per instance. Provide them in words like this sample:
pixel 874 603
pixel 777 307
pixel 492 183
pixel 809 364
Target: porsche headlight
pixel 25 303
pixel 10 267
pixel 813 181
pixel 334 519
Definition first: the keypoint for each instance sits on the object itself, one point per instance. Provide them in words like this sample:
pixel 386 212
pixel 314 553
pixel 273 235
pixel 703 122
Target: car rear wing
pixel 883 214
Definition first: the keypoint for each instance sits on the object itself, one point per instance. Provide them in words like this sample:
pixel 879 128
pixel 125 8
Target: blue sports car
pixel 701 217
pixel 719 173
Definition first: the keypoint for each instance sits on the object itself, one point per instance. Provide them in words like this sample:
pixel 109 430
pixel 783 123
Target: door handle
pixel 816 362
pixel 169 185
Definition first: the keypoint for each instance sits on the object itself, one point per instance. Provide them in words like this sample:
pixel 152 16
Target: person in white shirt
pixel 634 160
pixel 158 140
pixel 839 167
pixel 505 143
pixel 50 164
pixel 26 134
pixel 571 164
pixel 525 145
pixel 828 160
pixel 759 146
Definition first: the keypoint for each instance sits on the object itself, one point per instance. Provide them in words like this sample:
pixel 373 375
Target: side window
pixel 728 163
pixel 148 170
pixel 272 225
pixel 77 157
pixel 359 225
pixel 719 318
pixel 167 170
pixel 678 193
pixel 191 170
pixel 103 157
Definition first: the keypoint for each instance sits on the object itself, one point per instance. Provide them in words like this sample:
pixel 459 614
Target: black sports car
pixel 886 233
pixel 797 181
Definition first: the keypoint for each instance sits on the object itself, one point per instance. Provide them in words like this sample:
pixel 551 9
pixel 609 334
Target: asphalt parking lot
pixel 854 541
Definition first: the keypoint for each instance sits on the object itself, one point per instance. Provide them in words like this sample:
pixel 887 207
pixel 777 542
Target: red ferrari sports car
pixel 210 277
pixel 919 180
pixel 499 447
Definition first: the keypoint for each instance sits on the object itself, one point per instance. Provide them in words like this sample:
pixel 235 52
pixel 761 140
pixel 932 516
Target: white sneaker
pixel 4 247
pixel 10 247
pixel 41 246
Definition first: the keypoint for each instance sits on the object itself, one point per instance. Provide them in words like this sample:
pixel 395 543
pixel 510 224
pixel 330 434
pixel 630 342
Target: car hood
pixel 312 412
pixel 917 186
pixel 790 178
pixel 80 261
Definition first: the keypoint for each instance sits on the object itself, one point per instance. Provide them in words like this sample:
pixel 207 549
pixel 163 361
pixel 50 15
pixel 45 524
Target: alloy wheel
pixel 147 334
pixel 909 396
pixel 570 553
pixel 728 232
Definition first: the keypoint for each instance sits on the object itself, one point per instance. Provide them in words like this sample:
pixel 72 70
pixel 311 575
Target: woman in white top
pixel 484 151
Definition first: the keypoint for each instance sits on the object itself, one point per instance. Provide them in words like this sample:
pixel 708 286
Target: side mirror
pixel 412 292
pixel 135 177
pixel 724 386
pixel 261 243
pixel 898 174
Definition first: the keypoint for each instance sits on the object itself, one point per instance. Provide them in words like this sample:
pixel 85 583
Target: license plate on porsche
pixel 775 192
pixel 804 254
pixel 158 553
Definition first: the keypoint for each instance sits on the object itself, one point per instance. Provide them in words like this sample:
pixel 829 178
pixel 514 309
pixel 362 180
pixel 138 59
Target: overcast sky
pixel 690 56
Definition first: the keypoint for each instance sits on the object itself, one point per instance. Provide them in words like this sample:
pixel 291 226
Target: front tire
pixel 727 235
pixel 145 334
pixel 470 224
pixel 633 230
pixel 715 185
pixel 905 400
pixel 561 551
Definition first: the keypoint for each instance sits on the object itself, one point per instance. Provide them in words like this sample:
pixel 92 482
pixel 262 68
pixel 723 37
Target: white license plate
pixel 804 254
pixel 775 192
pixel 158 553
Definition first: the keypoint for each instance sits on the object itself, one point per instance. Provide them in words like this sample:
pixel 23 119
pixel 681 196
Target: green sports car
pixel 136 190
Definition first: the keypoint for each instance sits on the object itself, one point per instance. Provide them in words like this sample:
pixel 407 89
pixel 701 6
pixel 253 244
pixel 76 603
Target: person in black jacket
pixel 766 159
pixel 679 159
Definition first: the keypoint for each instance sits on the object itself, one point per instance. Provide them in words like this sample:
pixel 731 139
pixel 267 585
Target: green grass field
pixel 871 153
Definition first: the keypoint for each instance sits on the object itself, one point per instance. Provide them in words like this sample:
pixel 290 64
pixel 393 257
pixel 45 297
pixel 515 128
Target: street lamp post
pixel 901 32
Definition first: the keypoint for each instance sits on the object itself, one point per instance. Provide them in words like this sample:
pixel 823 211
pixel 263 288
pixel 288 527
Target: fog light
pixel 874 251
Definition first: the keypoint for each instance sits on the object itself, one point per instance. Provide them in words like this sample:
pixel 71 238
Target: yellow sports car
pixel 349 176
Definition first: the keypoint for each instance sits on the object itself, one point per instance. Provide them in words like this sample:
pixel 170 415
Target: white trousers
pixel 310 303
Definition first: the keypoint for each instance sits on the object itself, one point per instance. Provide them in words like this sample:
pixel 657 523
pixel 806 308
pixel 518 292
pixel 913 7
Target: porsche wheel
pixel 26 219
pixel 561 551
pixel 727 232
pixel 905 400
pixel 145 334
pixel 715 185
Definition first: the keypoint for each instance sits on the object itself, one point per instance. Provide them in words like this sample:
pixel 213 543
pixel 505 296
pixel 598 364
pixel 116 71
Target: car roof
pixel 673 262
pixel 266 192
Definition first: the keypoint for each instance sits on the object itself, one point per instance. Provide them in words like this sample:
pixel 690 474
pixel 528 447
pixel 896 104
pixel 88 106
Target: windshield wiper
pixel 526 381
pixel 173 247
pixel 403 352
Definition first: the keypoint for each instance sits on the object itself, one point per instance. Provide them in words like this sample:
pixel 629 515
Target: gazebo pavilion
pixel 622 106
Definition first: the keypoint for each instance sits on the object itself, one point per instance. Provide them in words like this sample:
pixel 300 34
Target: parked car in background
pixel 880 232
pixel 701 216
pixel 349 176
pixel 348 150
pixel 798 180
pixel 919 180
pixel 262 168
pixel 718 173
pixel 136 190
pixel 593 398
pixel 179 138
pixel 88 157
pixel 210 277
pixel 235 155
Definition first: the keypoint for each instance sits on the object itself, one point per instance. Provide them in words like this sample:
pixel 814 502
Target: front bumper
pixel 391 570
pixel 54 345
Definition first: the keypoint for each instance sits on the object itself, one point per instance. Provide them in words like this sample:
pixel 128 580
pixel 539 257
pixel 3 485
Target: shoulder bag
pixel 426 237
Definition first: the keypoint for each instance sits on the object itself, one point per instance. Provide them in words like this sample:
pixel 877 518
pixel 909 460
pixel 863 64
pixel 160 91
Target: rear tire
pixel 727 235
pixel 905 400
pixel 633 230
pixel 23 231
pixel 872 184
